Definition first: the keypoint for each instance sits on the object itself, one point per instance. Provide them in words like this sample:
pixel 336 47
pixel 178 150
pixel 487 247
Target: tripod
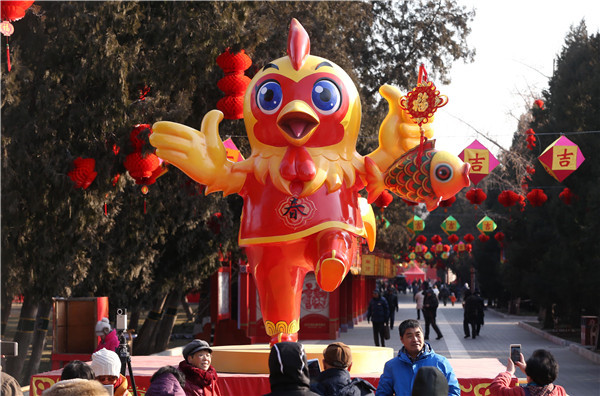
pixel 123 352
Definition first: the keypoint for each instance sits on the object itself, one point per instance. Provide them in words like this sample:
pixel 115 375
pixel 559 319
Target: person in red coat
pixel 541 370
pixel 200 377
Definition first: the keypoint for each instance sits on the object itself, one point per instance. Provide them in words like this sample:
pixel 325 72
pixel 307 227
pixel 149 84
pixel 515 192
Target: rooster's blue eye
pixel 326 96
pixel 269 96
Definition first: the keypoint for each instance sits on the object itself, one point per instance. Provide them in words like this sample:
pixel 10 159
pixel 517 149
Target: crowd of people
pixel 416 370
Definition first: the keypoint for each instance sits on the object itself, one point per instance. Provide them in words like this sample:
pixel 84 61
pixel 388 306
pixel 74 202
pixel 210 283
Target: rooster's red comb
pixel 298 44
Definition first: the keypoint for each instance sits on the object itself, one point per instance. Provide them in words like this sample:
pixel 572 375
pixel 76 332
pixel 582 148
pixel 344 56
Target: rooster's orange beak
pixel 297 121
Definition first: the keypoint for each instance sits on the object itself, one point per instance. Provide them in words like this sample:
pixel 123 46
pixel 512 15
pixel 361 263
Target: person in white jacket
pixel 419 300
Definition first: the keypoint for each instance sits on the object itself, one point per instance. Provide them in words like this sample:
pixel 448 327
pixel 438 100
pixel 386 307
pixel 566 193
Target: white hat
pixel 105 362
pixel 103 327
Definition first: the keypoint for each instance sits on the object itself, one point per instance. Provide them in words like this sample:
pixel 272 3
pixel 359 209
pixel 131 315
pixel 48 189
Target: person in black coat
pixel 378 313
pixel 392 299
pixel 430 305
pixel 470 314
pixel 288 370
pixel 335 379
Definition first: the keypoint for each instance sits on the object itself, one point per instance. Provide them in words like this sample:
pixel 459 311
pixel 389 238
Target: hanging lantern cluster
pixel 509 198
pixel 476 196
pixel 83 173
pixel 453 238
pixel 234 83
pixel 144 168
pixel 531 139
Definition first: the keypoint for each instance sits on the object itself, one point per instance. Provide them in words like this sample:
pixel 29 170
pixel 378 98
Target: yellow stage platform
pixel 254 359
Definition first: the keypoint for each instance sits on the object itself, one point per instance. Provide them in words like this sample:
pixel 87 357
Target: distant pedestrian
pixel 444 294
pixel 392 299
pixel 378 312
pixel 541 370
pixel 480 312
pixel 470 314
pixel 419 297
pixel 430 305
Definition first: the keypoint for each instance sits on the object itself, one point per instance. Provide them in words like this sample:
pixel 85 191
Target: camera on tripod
pixel 123 349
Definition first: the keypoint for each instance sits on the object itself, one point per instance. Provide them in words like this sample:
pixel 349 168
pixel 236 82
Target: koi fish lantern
pixel 302 209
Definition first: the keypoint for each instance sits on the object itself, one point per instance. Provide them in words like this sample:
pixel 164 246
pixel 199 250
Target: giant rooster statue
pixel 302 210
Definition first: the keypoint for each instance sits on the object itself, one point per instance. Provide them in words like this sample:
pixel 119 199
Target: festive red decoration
pixel 530 138
pixel 455 248
pixel 468 247
pixel 483 238
pixel 140 166
pixel 384 199
pixel 530 169
pixel 499 236
pixel 508 198
pixel 469 238
pixel 6 28
pixel 436 239
pixel 446 248
pixel 537 197
pixel 115 179
pixel 13 10
pixel 476 196
pixel 409 203
pixel 234 83
pixel 83 172
pixel 539 103
pixel 567 196
pixel 453 238
pixel 446 203
pixel 138 136
pixel 421 239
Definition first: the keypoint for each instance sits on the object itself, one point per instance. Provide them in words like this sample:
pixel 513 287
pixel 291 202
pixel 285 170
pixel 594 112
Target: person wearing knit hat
pixel 108 336
pixel 76 387
pixel 335 379
pixel 107 367
pixel 200 377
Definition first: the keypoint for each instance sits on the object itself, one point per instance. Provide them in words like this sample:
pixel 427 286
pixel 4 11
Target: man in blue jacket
pixel 399 373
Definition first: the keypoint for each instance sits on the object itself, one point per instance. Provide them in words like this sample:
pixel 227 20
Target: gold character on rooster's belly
pixel 302 209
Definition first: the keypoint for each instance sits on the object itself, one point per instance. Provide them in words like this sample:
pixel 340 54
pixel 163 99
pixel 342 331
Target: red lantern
pixel 530 138
pixel 11 11
pixel 455 248
pixel 446 248
pixel 508 198
pixel 421 239
pixel 539 103
pixel 468 247
pixel 384 199
pixel 447 202
pixel 483 238
pixel 567 196
pixel 439 248
pixel 137 137
pixel 234 83
pixel 436 239
pixel 537 197
pixel 476 196
pixel 453 238
pixel 14 10
pixel 499 236
pixel 83 172
pixel 140 166
pixel 469 238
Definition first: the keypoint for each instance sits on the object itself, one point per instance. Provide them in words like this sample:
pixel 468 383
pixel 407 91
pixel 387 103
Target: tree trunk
pixel 6 307
pixel 14 365
pixel 143 342
pixel 187 308
pixel 134 319
pixel 39 338
pixel 168 321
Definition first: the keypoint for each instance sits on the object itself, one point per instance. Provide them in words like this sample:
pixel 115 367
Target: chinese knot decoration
pixel 422 102
pixel 482 161
pixel 11 11
pixel 234 83
pixel 561 158
pixel 83 173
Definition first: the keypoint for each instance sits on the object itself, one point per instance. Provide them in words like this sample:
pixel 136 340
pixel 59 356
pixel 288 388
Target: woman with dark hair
pixel 541 370
pixel 167 381
pixel 77 369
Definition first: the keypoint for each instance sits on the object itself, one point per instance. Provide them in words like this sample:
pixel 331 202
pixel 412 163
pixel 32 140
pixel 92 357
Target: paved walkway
pixel 578 375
